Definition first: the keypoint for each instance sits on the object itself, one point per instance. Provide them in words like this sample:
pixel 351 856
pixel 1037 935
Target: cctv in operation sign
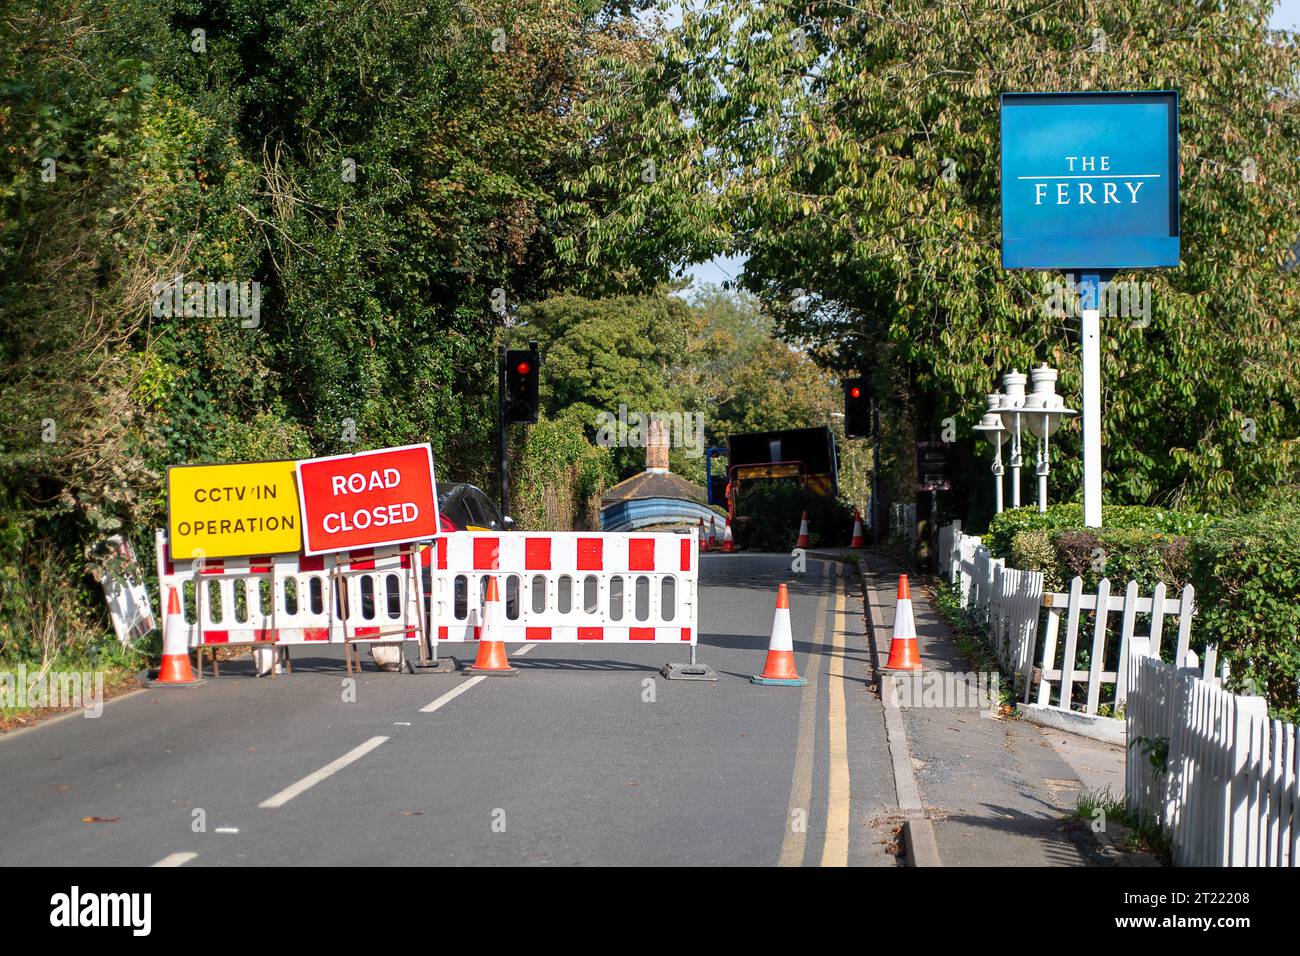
pixel 1089 181
pixel 225 511
pixel 368 499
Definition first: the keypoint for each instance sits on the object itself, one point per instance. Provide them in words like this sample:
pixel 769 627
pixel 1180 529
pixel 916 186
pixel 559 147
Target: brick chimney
pixel 656 447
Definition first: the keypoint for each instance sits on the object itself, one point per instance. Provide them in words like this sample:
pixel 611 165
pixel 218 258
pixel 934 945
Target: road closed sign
pixel 368 499
pixel 226 511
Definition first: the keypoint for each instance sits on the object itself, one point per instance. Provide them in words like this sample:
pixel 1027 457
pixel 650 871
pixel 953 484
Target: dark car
pixel 463 507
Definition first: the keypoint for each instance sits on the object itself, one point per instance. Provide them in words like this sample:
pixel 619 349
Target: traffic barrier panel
pixel 286 599
pixel 559 587
pixel 569 586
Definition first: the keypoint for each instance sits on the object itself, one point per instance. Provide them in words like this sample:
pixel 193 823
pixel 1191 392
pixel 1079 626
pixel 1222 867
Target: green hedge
pixel 1121 554
pixel 1246 571
pixel 772 509
pixel 1004 527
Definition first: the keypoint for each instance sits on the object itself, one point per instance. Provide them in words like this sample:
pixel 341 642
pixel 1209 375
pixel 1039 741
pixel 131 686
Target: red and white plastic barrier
pixel 560 587
pixel 569 586
pixel 293 598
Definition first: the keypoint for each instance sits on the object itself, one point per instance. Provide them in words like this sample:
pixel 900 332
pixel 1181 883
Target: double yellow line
pixel 835 846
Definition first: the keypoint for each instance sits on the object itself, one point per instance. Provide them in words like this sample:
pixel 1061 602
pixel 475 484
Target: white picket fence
pixel 1057 681
pixel 1091 654
pixel 1229 788
pixel 1225 781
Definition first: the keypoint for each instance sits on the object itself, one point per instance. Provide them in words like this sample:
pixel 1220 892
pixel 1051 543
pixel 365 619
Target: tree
pixel 852 152
pixel 381 170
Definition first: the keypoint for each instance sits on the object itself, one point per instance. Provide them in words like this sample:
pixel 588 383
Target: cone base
pixel 491 671
pixel 150 679
pixel 779 681
pixel 689 672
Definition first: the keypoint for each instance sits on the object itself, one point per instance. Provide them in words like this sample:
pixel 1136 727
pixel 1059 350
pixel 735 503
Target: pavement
pixel 586 757
pixel 997 791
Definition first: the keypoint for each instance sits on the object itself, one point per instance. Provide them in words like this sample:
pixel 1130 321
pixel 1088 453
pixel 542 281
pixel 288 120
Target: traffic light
pixel 521 385
pixel 857 408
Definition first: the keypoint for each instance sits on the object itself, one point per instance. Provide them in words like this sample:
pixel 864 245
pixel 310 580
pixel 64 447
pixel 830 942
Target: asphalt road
pixel 588 756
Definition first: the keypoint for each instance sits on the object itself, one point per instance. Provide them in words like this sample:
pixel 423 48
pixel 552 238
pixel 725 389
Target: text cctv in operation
pixel 380 516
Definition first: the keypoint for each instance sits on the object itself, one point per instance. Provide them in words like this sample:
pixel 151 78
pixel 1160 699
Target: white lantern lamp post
pixel 1013 398
pixel 991 427
pixel 1043 410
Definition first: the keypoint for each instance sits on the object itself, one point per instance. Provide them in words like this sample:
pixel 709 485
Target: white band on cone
pixel 781 639
pixel 904 626
pixel 174 639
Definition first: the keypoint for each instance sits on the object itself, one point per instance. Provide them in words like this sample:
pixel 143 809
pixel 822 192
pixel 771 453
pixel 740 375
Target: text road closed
pixel 368 499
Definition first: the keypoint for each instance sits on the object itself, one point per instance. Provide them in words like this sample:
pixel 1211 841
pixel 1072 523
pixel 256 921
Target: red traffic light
pixel 855 392
pixel 523 368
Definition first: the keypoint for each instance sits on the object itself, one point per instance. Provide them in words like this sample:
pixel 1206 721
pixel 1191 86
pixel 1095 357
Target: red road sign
pixel 368 499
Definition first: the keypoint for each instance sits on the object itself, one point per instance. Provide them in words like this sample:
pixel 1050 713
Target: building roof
pixel 654 484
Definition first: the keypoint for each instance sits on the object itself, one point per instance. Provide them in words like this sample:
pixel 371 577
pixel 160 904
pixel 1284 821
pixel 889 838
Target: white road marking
pixel 835 848
pixel 451 695
pixel 226 830
pixel 309 781
pixel 176 859
pixel 795 841
pixel 455 692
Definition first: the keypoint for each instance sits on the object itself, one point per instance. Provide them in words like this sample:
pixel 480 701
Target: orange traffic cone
pixel 491 657
pixel 779 668
pixel 803 532
pixel 728 546
pixel 704 537
pixel 713 534
pixel 858 541
pixel 175 670
pixel 903 652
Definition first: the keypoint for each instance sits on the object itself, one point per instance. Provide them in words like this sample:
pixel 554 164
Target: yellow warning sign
pixel 226 511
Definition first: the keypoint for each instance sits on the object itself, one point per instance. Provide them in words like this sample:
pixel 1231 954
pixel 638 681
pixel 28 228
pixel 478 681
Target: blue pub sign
pixel 1089 181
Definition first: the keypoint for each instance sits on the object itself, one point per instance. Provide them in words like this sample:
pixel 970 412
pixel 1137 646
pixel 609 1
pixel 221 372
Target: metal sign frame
pixel 1068 158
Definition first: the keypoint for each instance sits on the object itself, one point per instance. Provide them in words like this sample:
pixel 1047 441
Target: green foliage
pixel 768 514
pixel 1032 550
pixel 43 612
pixel 233 164
pixel 812 138
pixel 1246 571
pixel 1004 527
pixel 561 477
pixel 660 354
pixel 1120 554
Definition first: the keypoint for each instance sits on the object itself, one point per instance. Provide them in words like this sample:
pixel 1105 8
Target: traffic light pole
pixel 503 432
pixel 875 474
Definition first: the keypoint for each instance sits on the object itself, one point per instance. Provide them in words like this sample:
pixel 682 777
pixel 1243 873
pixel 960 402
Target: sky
pixel 1286 16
